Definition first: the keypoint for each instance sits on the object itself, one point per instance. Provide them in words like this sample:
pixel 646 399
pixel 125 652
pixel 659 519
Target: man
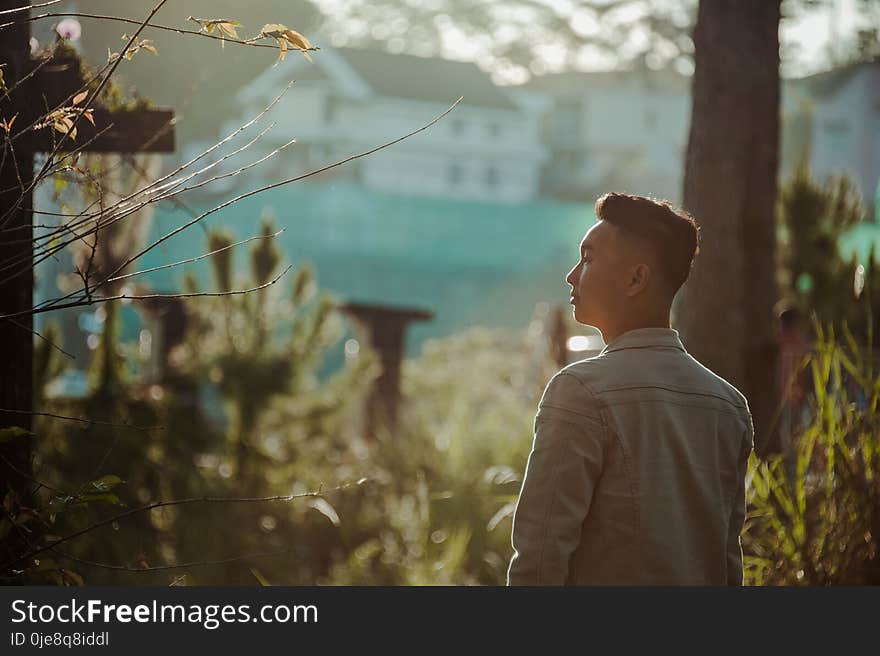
pixel 637 472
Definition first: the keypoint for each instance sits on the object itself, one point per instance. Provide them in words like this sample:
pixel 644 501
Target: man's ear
pixel 640 276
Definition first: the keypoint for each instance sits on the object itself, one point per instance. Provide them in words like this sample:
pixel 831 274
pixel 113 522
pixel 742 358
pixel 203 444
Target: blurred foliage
pixel 244 414
pixel 445 484
pixel 113 96
pixel 819 524
pixel 236 402
pixel 812 219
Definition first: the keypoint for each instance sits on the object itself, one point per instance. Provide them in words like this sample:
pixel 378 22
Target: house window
pixel 455 174
pixel 494 130
pixel 457 127
pixel 492 177
pixel 651 119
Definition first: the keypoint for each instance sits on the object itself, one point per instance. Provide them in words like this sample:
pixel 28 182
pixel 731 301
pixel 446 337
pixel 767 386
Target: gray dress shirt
pixel 637 472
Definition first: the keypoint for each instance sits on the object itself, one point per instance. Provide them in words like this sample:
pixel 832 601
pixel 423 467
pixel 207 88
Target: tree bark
pixel 725 311
pixel 16 341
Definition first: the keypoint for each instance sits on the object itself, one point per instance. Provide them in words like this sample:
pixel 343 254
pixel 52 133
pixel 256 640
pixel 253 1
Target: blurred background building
pixel 347 101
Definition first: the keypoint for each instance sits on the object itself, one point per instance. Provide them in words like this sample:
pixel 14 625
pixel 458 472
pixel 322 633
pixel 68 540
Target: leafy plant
pixel 821 526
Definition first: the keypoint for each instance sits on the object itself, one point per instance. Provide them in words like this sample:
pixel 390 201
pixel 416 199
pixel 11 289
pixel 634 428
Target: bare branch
pixel 34 480
pixel 45 339
pixel 197 258
pixel 90 101
pixel 141 297
pixel 153 185
pixel 25 78
pixel 274 186
pixel 179 30
pixel 80 419
pixel 36 6
pixel 55 305
pixel 166 504
pixel 82 110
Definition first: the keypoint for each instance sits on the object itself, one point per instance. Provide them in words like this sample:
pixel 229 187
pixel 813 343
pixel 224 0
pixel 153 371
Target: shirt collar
pixel 645 338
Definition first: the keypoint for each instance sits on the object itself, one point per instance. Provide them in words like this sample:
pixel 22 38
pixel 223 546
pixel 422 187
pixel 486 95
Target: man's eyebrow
pixel 586 247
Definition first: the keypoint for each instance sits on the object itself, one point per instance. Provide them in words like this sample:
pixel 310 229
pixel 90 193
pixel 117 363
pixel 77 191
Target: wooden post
pixel 130 131
pixel 383 328
pixel 16 295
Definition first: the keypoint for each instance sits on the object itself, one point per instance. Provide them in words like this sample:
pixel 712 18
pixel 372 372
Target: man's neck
pixel 611 333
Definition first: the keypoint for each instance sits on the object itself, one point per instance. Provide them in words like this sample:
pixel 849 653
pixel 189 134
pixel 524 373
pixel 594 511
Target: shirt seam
pixel 675 388
pixel 678 403
pixel 567 409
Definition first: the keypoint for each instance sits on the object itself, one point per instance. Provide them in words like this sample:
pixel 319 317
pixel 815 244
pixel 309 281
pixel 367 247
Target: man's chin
pixel 584 319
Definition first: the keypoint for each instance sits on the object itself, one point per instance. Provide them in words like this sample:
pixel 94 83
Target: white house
pixel 834 119
pixel 347 101
pixel 620 130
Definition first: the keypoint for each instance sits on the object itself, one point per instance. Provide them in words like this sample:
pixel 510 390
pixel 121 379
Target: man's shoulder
pixel 577 381
pixel 587 371
pixel 720 385
pixel 617 370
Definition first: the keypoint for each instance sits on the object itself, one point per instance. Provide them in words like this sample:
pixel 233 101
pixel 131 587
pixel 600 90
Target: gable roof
pixel 425 78
pixel 361 71
pixel 827 83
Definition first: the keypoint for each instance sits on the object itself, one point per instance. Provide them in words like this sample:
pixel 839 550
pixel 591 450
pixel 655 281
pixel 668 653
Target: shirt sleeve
pixel 562 472
pixel 738 513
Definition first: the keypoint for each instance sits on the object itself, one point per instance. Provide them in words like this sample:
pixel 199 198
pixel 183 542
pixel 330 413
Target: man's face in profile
pixel 597 280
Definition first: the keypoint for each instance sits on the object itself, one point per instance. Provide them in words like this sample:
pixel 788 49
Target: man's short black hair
pixel 672 233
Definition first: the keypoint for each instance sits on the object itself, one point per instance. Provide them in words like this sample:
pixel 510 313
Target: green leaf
pixel 106 497
pixel 105 483
pixel 262 579
pixel 10 433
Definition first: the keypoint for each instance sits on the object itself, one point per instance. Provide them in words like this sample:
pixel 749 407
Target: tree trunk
pixel 16 341
pixel 725 312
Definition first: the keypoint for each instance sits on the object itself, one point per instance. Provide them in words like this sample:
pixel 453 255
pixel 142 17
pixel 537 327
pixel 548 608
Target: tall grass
pixel 819 523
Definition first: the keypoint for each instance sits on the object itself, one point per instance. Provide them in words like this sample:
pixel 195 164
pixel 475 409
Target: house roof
pixel 429 79
pixel 425 78
pixel 574 80
pixel 827 83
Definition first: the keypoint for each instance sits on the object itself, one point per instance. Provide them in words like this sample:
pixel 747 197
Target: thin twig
pixel 274 186
pixel 91 99
pixel 36 6
pixel 197 258
pixel 165 504
pixel 170 185
pixel 36 69
pixel 142 297
pixel 80 419
pixel 45 339
pixel 34 480
pixel 167 28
